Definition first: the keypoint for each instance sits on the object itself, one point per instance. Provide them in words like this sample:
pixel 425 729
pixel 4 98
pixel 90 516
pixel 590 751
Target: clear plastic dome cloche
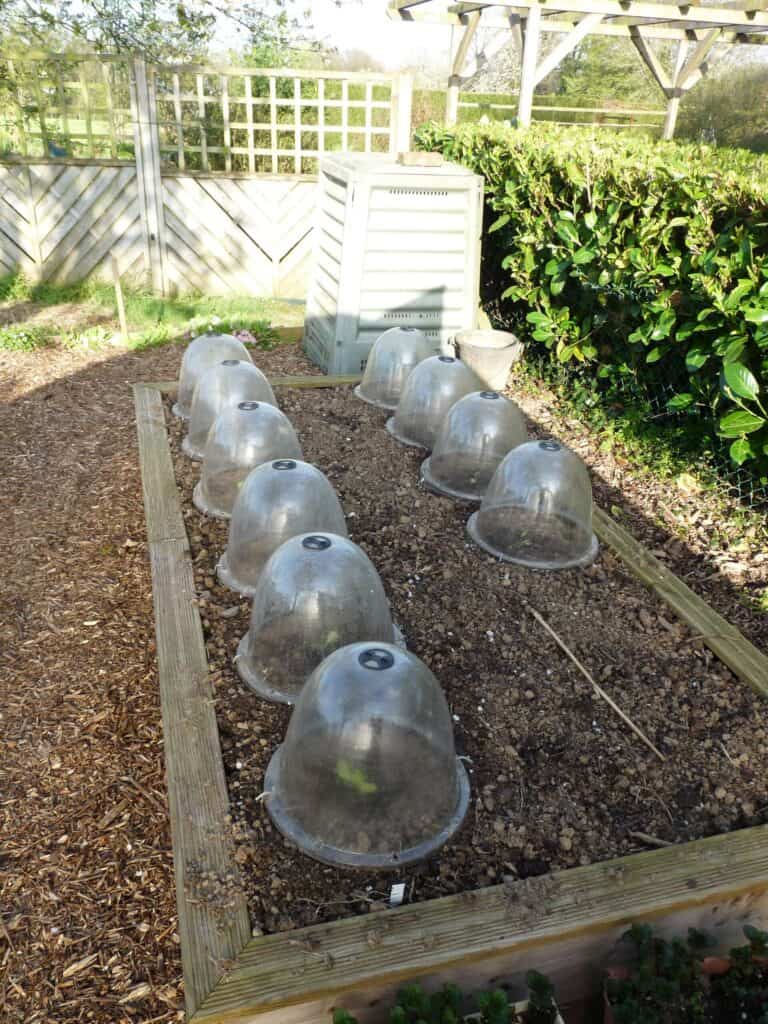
pixel 474 436
pixel 277 501
pixel 202 354
pixel 367 775
pixel 229 382
pixel 394 354
pixel 317 592
pixel 429 392
pixel 537 510
pixel 242 437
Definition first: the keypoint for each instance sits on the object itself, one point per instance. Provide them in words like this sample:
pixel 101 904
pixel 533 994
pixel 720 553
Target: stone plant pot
pixel 490 354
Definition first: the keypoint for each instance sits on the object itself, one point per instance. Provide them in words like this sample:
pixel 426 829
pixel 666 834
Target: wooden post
pixel 150 186
pixel 455 78
pixel 673 101
pixel 402 102
pixel 528 70
pixel 119 297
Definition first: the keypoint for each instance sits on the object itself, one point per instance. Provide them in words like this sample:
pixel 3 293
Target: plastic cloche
pixel 394 354
pixel 224 385
pixel 277 501
pixel 429 392
pixel 473 438
pixel 317 592
pixel 537 510
pixel 201 355
pixel 367 775
pixel 243 436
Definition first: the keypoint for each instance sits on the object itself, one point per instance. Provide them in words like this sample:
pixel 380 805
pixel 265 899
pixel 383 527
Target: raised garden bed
pixel 557 780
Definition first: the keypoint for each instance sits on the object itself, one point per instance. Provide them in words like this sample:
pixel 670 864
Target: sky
pixel 365 25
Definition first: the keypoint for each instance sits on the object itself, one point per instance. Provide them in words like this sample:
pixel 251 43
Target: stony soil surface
pixel 557 779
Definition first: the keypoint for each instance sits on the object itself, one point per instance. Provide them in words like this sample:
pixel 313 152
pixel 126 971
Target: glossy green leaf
pixel 741 380
pixel 584 256
pixel 756 314
pixel 740 422
pixel 567 232
pixel 695 358
pixel 741 450
pixel 679 402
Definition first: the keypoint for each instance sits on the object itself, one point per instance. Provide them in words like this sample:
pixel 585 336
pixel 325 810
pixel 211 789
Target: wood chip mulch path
pixel 87 910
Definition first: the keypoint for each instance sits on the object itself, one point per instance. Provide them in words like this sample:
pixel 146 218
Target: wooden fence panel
pixel 246 235
pixel 208 182
pixel 18 245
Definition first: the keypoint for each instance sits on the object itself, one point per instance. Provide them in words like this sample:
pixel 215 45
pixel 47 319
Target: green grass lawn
pixel 92 320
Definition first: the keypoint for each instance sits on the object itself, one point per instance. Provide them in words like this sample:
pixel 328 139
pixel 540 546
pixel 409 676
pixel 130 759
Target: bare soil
pixel 557 779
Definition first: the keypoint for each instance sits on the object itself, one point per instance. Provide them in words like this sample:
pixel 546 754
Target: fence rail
pixel 609 116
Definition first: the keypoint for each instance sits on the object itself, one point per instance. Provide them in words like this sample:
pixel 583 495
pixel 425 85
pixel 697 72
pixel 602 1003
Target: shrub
pixel 648 262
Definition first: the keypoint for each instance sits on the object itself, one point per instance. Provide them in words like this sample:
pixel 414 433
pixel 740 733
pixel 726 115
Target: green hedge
pixel 648 262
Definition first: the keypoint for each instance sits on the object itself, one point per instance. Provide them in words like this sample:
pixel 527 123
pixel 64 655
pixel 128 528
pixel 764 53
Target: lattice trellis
pixel 67 106
pixel 269 121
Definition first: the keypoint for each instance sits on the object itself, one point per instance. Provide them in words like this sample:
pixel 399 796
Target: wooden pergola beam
pixel 492 18
pixel 650 59
pixel 454 81
pixel 672 15
pixel 567 45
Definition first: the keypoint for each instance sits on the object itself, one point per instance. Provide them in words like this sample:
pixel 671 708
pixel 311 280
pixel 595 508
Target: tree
pixel 160 30
pixel 602 67
pixel 729 109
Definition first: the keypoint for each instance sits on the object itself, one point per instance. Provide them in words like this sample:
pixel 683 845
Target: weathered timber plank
pixel 290 381
pixel 564 925
pixel 725 640
pixel 211 937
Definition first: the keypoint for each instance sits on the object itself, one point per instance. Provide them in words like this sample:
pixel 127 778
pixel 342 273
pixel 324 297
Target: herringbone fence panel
pixel 83 215
pixel 246 235
pixel 17 235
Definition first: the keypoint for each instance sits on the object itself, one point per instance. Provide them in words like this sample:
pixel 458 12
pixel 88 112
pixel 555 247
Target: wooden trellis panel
pixel 246 235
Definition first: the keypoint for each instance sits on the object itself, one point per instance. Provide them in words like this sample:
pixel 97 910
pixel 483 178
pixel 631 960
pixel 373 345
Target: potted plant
pixel 414 1006
pixel 674 982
